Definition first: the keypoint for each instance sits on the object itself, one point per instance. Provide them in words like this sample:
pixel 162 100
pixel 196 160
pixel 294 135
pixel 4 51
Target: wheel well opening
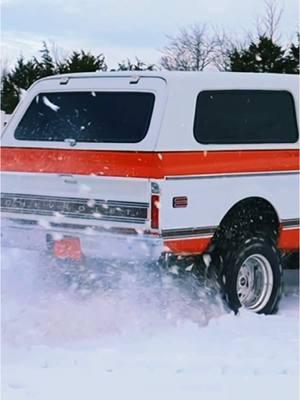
pixel 246 218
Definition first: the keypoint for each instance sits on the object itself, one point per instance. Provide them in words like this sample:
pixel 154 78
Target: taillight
pixel 155 211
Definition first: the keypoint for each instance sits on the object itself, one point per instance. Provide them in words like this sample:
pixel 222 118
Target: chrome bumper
pixel 103 245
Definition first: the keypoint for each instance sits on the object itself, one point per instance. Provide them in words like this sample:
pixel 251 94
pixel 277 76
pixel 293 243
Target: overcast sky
pixel 123 28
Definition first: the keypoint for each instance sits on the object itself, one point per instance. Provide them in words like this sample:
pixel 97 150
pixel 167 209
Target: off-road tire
pixel 265 257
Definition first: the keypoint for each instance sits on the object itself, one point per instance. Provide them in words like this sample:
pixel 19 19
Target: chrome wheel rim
pixel 255 282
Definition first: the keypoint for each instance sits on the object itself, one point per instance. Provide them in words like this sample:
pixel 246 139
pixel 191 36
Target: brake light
pixel 155 211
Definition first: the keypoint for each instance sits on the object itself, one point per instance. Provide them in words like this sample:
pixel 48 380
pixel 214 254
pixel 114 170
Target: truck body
pixel 151 162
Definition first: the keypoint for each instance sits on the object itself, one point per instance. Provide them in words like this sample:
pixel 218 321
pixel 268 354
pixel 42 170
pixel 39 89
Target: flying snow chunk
pixel 174 270
pixel 207 259
pixel 43 223
pixel 84 188
pixel 97 215
pixel 58 215
pixel 258 58
pixel 48 103
pixel 57 236
pixel 189 267
pixel 89 231
pixel 91 203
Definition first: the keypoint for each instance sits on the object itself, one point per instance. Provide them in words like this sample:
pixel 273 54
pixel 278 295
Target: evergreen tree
pixel 292 59
pixel 263 56
pixel 137 66
pixel 47 65
pixel 25 73
pixel 9 95
pixel 18 80
pixel 82 62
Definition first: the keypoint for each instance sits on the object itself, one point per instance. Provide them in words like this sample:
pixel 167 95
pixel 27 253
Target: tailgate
pixel 71 200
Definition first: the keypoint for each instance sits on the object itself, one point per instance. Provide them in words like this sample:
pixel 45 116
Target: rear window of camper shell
pixel 110 117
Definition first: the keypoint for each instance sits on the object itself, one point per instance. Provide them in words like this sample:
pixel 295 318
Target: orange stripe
pixel 187 246
pixel 147 164
pixel 289 239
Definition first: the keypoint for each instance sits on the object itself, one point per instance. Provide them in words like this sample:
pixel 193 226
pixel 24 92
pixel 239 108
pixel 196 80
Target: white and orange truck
pixel 159 164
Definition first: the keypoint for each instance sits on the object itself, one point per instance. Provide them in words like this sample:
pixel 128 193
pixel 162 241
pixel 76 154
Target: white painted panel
pixel 98 187
pixel 209 198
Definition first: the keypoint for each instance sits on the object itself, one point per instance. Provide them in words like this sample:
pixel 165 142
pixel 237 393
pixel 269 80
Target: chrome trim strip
pixel 188 232
pixel 291 223
pixel 85 217
pixel 78 208
pixel 28 225
pixel 231 175
pixel 53 198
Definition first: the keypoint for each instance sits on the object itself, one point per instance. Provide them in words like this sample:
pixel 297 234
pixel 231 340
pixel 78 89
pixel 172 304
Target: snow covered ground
pixel 127 344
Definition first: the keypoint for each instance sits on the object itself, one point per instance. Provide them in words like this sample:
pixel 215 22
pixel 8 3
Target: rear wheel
pixel 252 276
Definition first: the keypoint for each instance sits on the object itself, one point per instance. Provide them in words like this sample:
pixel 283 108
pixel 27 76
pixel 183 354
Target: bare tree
pixel 191 50
pixel 4 67
pixel 269 24
pixel 224 45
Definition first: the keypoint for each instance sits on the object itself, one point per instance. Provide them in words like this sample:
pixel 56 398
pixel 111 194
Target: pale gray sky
pixel 123 28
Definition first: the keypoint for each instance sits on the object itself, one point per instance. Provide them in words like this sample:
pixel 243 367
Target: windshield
pixel 113 117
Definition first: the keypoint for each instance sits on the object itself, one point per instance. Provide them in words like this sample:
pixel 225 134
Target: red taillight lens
pixel 154 211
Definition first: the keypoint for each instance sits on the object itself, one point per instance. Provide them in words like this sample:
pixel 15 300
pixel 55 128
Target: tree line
pixel 193 48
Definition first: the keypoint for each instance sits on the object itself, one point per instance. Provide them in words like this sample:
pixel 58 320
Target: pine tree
pixel 137 66
pixel 25 73
pixel 47 65
pixel 9 95
pixel 82 62
pixel 263 56
pixel 18 80
pixel 292 59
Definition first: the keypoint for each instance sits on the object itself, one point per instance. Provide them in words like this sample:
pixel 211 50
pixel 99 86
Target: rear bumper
pixel 104 245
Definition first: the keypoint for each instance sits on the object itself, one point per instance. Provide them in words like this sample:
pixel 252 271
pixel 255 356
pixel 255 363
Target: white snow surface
pixel 126 344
